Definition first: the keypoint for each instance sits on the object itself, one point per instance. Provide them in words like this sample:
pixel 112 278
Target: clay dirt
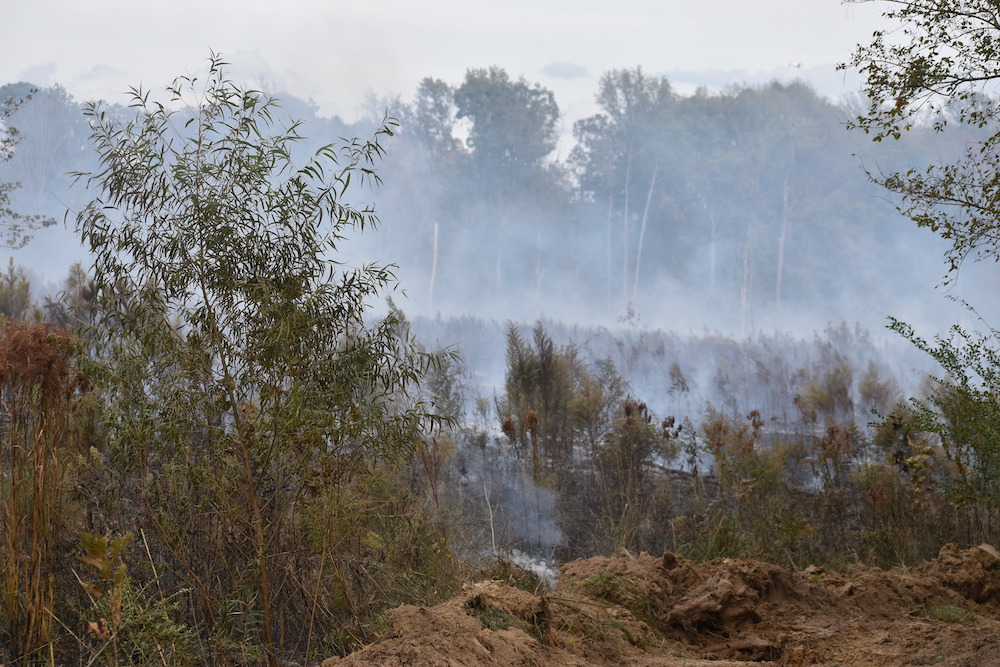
pixel 638 609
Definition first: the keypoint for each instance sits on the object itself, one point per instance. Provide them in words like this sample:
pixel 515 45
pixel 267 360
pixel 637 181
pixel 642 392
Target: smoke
pixel 678 373
pixel 546 571
pixel 511 512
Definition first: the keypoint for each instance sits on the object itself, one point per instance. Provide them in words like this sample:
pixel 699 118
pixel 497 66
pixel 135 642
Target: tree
pixel 432 116
pixel 244 372
pixel 619 159
pixel 512 131
pixel 14 226
pixel 513 127
pixel 540 382
pixel 15 292
pixel 431 164
pixel 623 462
pixel 775 143
pixel 940 69
pixel 713 188
pixel 74 307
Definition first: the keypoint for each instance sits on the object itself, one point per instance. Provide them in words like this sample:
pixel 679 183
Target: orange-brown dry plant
pixel 39 387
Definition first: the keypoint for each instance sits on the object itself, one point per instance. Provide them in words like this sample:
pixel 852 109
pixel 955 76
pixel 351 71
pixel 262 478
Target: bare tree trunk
pixel 607 251
pixel 434 267
pixel 628 177
pixel 713 248
pixel 747 282
pixel 781 244
pixel 642 230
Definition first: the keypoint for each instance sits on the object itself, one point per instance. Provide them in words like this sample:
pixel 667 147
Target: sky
pixel 336 52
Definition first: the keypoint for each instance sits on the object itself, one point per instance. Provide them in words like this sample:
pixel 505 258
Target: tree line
pixel 747 202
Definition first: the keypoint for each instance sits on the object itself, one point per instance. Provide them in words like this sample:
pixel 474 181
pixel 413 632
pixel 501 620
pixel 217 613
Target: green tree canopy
pixel 432 116
pixel 513 126
pixel 940 67
pixel 244 370
pixel 619 145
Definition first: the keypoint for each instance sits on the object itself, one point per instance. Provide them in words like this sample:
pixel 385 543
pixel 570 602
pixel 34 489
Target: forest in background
pixel 736 211
pixel 232 458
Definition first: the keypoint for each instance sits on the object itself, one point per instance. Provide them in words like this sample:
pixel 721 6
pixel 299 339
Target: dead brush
pixel 39 388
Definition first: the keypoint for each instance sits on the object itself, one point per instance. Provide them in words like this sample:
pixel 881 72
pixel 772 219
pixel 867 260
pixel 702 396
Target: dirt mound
pixel 644 610
pixel 722 609
pixel 489 624
pixel 974 573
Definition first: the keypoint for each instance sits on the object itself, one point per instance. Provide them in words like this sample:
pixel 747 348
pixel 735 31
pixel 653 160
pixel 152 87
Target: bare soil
pixel 645 610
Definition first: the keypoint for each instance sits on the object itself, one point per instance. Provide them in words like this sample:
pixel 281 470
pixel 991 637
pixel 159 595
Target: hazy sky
pixel 334 51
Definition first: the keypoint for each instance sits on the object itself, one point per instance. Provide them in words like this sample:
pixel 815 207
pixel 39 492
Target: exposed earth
pixel 666 611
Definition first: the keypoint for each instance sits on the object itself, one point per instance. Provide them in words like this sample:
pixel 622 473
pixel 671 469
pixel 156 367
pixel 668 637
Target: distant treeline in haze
pixel 739 209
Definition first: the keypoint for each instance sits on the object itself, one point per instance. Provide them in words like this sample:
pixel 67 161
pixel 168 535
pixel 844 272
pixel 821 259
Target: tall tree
pixel 619 159
pixel 430 167
pixel 512 130
pixel 940 68
pixel 244 372
pixel 432 116
pixel 54 142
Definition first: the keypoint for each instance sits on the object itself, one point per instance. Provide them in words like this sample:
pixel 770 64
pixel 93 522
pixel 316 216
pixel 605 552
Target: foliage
pixel 580 433
pixel 756 200
pixel 961 407
pixel 763 484
pixel 15 292
pixel 513 127
pixel 103 557
pixel 939 67
pixel 751 143
pixel 624 462
pixel 265 433
pixel 122 620
pixel 635 110
pixel 242 372
pixel 385 535
pixel 74 307
pixel 15 225
pixel 431 118
pixel 540 383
